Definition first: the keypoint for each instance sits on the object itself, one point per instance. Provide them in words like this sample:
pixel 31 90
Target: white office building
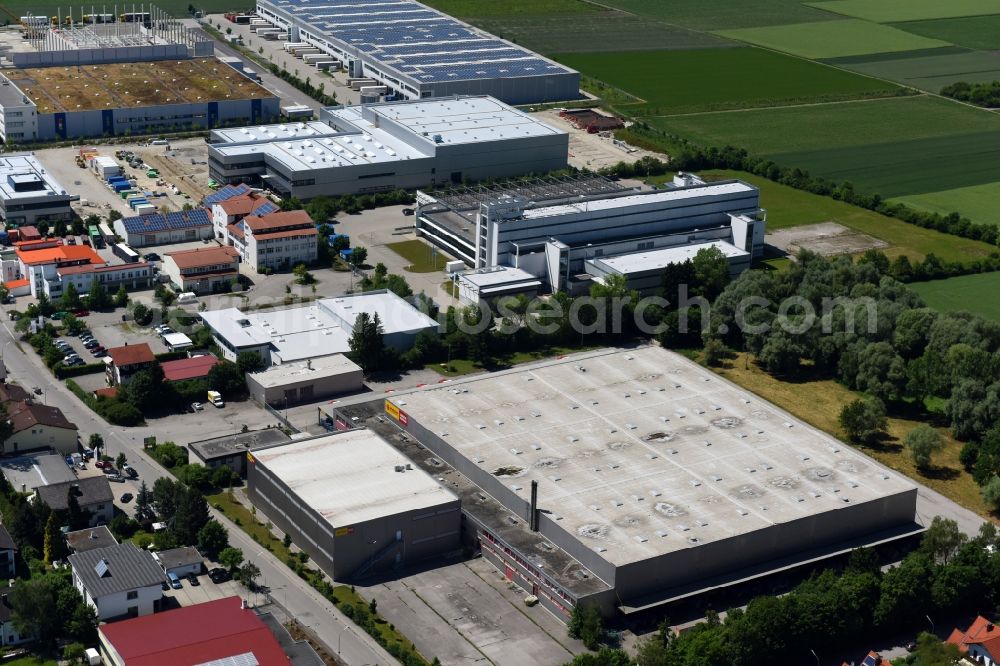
pixel 28 193
pixel 387 146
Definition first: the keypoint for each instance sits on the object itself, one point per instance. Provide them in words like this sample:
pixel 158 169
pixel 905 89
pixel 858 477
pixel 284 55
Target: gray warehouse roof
pixel 640 453
pixel 227 445
pixel 105 571
pixel 350 477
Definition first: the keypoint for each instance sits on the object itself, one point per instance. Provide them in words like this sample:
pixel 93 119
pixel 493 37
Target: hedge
pixel 64 371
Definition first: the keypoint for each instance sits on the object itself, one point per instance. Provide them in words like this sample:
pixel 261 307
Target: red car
pixel 100 464
pixel 81 313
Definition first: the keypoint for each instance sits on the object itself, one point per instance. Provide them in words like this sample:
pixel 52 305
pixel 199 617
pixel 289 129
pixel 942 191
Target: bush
pixel 64 371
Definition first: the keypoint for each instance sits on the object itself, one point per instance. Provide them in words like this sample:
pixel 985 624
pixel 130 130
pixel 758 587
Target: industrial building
pixel 354 503
pixel 286 385
pixel 322 329
pixel 568 232
pixel 70 102
pixel 275 241
pixel 635 478
pixel 376 147
pixel 417 52
pixel 28 193
pixel 202 270
pixel 231 450
pixel 165 229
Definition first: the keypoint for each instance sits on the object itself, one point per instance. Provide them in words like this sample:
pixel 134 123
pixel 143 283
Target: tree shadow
pixel 883 443
pixel 939 473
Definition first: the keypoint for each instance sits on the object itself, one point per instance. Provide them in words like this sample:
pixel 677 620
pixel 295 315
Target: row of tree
pixel 985 94
pixel 948 575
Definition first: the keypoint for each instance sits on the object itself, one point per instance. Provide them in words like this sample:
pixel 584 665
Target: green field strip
pixel 934 72
pixel 833 39
pixel 894 55
pixel 976 202
pixel 969 293
pixel 979 32
pixel 891 11
pixel 723 14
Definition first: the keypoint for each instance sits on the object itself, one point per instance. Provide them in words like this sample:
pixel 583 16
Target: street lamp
pixel 933 631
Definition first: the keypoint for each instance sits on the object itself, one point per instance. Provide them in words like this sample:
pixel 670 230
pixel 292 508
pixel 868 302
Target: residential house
pixel 123 362
pixel 980 643
pixel 182 369
pixel 38 426
pixel 9 635
pixel 90 538
pixel 131 276
pixel 40 266
pixel 223 631
pixel 8 554
pixel 93 494
pixel 118 581
pixel 243 202
pixel 202 270
pixel 276 241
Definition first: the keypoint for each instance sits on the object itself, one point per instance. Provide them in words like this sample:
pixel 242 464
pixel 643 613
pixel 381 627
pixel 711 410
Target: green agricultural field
pixel 722 14
pixel 789 207
pixel 484 8
pixel 979 32
pixel 972 293
pixel 830 126
pixel 888 11
pixel 832 39
pixel 931 71
pixel 977 202
pixel 604 31
pixel 688 81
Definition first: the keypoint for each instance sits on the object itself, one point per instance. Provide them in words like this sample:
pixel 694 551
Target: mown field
pixel 931 70
pixel 888 11
pixel 708 79
pixel 789 207
pixel 977 202
pixel 963 293
pixel 832 39
pixel 976 32
pixel 723 14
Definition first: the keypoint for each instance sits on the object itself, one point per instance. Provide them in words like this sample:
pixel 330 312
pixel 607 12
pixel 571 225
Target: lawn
pixel 603 31
pixel 887 11
pixel 789 207
pixel 722 14
pixel 712 79
pixel 977 202
pixel 249 523
pixel 818 402
pixel 932 70
pixel 980 32
pixel 972 293
pixel 832 39
pixel 423 258
pixel 484 8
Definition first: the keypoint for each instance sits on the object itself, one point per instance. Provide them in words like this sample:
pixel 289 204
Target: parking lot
pixel 206 590
pixel 456 614
pixel 593 151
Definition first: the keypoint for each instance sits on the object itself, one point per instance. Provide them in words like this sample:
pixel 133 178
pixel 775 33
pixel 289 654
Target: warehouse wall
pixel 321 387
pixel 97 56
pixel 515 90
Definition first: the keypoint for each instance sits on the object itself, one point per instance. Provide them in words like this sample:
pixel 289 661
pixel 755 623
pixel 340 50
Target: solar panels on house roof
pixel 225 193
pixel 159 222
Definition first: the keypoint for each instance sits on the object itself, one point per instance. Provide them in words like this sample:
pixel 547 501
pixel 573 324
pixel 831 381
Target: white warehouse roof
pixel 640 262
pixel 350 477
pixel 394 313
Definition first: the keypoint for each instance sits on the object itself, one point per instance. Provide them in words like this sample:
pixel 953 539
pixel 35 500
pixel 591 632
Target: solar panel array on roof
pixel 265 208
pixel 160 222
pixel 225 193
pixel 417 40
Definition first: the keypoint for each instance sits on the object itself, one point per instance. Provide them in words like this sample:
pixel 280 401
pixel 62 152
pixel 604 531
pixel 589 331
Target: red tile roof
pixel 29 232
pixel 194 635
pixel 188 368
pixel 204 256
pixel 131 354
pixel 280 220
pixel 244 204
pixel 60 254
pixel 236 230
pixel 14 284
pixel 93 268
pixel 981 632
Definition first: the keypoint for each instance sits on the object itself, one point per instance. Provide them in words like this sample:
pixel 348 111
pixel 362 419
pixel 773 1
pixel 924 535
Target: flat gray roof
pixel 640 453
pixel 35 470
pixel 227 445
pixel 350 477
pixel 649 260
pixel 21 166
pixel 290 373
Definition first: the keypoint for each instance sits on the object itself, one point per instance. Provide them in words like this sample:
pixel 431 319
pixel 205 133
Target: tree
pixel 248 575
pixel 366 342
pixel 991 493
pixel 121 297
pixel 711 272
pixel 141 314
pixel 923 442
pixel 358 256
pixel 143 499
pixel 144 390
pixel 781 353
pixel 33 610
pixel 74 653
pixel 863 420
pixel 942 540
pixel 165 492
pixel 121 461
pixel 715 352
pixel 190 516
pixel 931 651
pixel 70 299
pixel 213 538
pixel 226 378
pixel 97 297
pixel 249 362
pixel 54 549
pixel 231 558
pixel 76 516
pixel 196 476
pixel 302 275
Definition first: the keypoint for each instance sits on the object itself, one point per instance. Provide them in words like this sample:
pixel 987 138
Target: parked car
pixel 193 580
pixel 152 256
pixel 100 464
pixel 116 477
pixel 175 582
pixel 99 350
pixel 196 407
pixel 81 465
pixel 69 358
pixel 126 498
pixel 218 575
pixel 76 361
pixel 84 334
pixel 166 330
pixel 91 344
pixel 37 390
pixel 88 453
pixel 407 211
pixel 130 471
pixel 81 313
pixel 59 315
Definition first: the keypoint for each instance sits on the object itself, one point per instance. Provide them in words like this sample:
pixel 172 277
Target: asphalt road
pixel 299 600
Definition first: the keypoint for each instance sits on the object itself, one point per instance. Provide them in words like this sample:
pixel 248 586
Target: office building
pixel 28 192
pixel 202 270
pixel 282 386
pixel 275 241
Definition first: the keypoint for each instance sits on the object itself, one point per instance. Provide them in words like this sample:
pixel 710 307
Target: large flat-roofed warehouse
pixel 569 231
pixel 354 503
pixel 374 147
pixel 654 475
pixel 418 52
pixel 137 98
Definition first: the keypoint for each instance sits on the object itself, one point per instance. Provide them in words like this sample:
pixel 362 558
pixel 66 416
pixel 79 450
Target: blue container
pixel 346 254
